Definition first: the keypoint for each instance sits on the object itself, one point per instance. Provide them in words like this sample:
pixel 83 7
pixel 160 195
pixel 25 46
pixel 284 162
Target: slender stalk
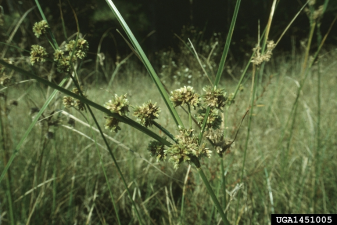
pixel 108 183
pixel 10 202
pixel 252 98
pixel 146 63
pixel 270 191
pixel 223 183
pixel 164 130
pixel 228 42
pixel 204 124
pixel 183 196
pixel 213 206
pixel 318 126
pixel 54 184
pixel 222 166
pixel 214 198
pixel 189 116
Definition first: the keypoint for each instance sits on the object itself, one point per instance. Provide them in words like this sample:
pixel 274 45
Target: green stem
pixel 204 124
pixel 223 182
pixel 189 116
pixel 214 198
pixel 164 131
pixel 183 196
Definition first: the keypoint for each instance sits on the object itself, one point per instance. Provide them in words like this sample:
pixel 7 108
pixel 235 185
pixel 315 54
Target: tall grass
pixel 82 186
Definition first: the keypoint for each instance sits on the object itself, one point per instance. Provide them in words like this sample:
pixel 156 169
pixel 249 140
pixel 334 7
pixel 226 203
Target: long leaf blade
pixel 147 63
pixel 91 103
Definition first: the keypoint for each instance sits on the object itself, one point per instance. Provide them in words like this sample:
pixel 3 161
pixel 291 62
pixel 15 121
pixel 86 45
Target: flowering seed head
pixel 147 113
pixel 37 54
pixel 111 124
pixel 260 58
pixel 63 65
pixel 230 99
pixel 40 28
pixel 80 48
pixel 187 149
pixel 118 105
pixel 185 95
pixel 77 103
pixel 213 121
pixel 218 141
pixel 312 2
pixel 157 150
pixel 72 102
pixel 58 54
pixel 214 98
pixel 68 101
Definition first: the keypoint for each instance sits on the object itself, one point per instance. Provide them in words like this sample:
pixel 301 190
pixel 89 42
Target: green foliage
pixel 81 193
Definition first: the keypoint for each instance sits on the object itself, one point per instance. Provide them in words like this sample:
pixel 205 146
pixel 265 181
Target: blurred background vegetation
pixel 199 19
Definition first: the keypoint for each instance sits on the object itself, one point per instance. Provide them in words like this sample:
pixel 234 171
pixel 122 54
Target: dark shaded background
pixel 201 18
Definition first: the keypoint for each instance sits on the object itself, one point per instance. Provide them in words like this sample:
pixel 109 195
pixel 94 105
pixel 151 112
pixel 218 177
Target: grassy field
pixel 273 148
pixel 59 180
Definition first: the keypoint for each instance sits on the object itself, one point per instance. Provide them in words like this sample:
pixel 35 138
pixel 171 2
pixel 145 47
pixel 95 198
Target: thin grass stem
pixel 214 198
pixel 146 63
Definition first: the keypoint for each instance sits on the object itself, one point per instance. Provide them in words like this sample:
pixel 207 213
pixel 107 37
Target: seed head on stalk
pixel 157 150
pixel 120 105
pixel 40 28
pixel 185 95
pixel 147 113
pixel 186 149
pixel 37 54
pixel 214 98
pixel 213 121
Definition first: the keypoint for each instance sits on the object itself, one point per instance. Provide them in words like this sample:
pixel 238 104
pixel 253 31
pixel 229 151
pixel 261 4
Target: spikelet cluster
pixel 40 28
pixel 187 149
pixel 37 54
pixel 213 120
pixel 73 102
pixel 216 137
pixel 185 95
pixel 76 50
pixel 80 48
pixel 214 98
pixel 260 58
pixel 157 150
pixel 120 105
pixel 147 113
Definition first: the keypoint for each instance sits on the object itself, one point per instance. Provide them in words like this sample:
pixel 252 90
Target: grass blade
pixel 228 42
pixel 147 63
pixel 93 104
